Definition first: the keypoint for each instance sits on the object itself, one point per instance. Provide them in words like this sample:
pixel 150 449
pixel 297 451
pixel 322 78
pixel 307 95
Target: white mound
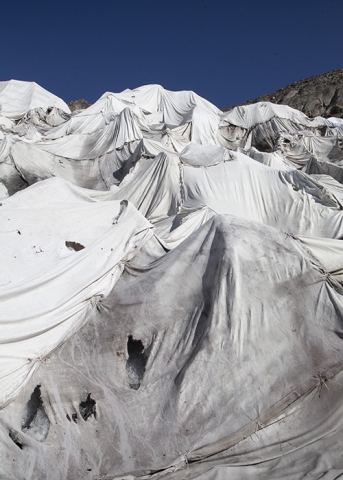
pixel 18 97
pixel 170 289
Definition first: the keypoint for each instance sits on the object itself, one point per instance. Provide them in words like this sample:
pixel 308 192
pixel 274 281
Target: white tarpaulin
pixel 42 267
pixel 17 98
pixel 170 289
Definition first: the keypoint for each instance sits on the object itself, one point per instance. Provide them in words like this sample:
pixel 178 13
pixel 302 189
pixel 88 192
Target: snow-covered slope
pixel 170 291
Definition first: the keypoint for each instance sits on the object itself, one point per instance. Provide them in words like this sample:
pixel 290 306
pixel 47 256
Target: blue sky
pixel 226 51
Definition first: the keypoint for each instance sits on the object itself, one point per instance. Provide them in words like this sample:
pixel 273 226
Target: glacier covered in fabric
pixel 171 288
pixel 17 98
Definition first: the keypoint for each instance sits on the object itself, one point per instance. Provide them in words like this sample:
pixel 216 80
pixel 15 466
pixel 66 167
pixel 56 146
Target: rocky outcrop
pixel 319 95
pixel 79 104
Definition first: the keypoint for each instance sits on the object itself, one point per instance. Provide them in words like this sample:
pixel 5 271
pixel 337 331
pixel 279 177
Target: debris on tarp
pixel 170 288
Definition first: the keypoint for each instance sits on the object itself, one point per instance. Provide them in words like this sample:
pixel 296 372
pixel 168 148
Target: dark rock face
pixel 79 104
pixel 319 95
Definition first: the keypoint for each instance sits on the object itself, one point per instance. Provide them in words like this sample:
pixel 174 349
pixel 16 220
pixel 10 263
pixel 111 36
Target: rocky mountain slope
pixel 318 95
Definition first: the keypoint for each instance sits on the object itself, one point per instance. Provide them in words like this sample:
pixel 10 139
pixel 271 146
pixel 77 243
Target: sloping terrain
pixel 317 95
pixel 171 289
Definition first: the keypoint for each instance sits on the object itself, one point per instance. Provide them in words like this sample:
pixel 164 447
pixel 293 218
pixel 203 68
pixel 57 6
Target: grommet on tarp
pixel 96 300
pixel 329 278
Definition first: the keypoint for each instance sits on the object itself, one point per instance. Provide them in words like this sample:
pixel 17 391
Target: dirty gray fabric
pixel 170 291
pixel 230 371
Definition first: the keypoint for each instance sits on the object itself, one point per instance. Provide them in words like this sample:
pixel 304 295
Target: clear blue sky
pixel 226 51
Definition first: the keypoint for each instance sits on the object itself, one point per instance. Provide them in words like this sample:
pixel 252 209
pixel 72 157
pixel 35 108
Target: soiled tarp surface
pixel 39 308
pixel 170 291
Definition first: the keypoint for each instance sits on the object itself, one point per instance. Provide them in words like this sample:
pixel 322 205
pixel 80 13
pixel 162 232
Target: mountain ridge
pixel 319 95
